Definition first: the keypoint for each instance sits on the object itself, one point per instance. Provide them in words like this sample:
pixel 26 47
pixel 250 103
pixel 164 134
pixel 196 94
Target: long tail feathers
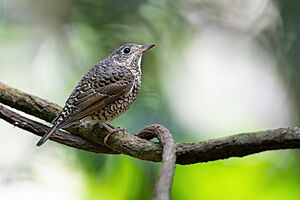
pixel 47 135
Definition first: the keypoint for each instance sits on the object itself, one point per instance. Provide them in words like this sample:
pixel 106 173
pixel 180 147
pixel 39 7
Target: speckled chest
pixel 118 107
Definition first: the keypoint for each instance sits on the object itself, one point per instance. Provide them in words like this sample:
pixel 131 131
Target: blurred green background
pixel 219 68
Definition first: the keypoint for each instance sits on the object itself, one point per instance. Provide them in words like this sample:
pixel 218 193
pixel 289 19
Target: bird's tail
pixel 48 134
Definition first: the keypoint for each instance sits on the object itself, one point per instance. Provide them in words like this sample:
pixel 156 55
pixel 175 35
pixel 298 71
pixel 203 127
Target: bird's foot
pixel 94 125
pixel 111 130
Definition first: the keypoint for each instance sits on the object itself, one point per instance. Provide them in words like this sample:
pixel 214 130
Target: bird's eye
pixel 126 50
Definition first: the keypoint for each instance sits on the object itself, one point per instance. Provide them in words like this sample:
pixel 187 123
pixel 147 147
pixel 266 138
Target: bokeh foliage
pixel 91 29
pixel 255 177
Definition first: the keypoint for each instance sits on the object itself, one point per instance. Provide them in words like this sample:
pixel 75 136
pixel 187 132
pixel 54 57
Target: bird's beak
pixel 146 47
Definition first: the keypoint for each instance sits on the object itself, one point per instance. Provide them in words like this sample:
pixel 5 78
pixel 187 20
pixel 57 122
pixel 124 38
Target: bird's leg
pixel 108 127
pixel 111 130
pixel 95 124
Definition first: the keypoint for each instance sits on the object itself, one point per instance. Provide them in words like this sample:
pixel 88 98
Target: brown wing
pixel 99 87
pixel 102 85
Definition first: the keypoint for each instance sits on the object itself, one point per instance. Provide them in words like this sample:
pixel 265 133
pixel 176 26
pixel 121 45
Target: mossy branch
pixel 86 138
pixel 89 138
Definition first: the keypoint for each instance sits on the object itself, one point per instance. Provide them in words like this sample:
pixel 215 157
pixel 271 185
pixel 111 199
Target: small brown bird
pixel 106 91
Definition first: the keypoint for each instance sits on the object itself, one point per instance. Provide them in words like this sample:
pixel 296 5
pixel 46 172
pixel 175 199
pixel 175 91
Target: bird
pixel 105 92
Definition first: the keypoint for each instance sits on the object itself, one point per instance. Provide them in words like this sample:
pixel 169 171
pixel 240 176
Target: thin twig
pixel 164 183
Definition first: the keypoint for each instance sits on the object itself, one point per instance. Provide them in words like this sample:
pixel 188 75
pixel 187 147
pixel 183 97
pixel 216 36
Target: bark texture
pixel 90 138
pixel 138 146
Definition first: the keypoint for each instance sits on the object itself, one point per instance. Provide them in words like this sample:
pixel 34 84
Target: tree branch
pixel 187 153
pixel 27 103
pixel 60 136
pixel 164 183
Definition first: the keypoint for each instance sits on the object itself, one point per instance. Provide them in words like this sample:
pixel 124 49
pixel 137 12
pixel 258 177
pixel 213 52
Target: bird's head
pixel 129 55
